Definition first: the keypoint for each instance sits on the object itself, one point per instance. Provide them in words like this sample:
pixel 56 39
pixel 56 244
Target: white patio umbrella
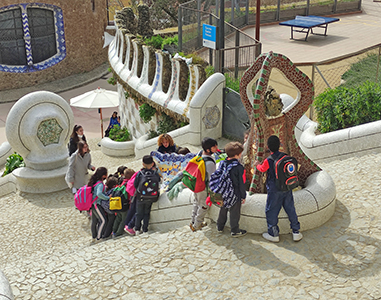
pixel 99 98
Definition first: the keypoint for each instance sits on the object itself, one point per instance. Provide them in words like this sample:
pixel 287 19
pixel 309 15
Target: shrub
pixel 346 107
pixel 119 134
pixel 14 161
pixel 146 112
pixel 111 81
pixel 232 83
pixel 170 40
pixel 209 70
pixel 155 41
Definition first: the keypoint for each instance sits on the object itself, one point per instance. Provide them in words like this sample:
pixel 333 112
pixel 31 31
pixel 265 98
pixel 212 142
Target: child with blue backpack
pixel 277 198
pixel 233 176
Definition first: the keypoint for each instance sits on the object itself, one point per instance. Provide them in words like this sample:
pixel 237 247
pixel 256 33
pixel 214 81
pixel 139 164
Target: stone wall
pixel 83 35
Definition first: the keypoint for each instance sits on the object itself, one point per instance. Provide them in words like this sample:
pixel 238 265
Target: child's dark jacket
pixel 236 175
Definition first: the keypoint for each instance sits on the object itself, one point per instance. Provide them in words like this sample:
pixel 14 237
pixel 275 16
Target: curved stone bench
pixel 5 151
pixel 340 144
pixel 315 205
pixel 118 149
pixel 5 288
pixel 8 184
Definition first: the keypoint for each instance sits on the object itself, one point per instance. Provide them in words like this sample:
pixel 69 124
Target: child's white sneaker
pixel 297 236
pixel 267 236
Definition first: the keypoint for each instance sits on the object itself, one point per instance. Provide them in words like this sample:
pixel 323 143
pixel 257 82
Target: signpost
pixel 209 36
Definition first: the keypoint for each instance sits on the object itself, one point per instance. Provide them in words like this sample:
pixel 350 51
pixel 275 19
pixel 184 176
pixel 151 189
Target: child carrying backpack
pixel 147 183
pixel 196 177
pixel 229 181
pixel 278 194
pixel 111 183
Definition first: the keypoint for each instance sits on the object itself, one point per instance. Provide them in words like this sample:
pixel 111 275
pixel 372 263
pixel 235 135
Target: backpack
pixel 194 175
pixel 221 185
pixel 119 200
pixel 83 198
pixel 149 185
pixel 286 172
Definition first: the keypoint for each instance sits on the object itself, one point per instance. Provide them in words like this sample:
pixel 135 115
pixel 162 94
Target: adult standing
pixel 114 120
pixel 79 164
pixel 76 136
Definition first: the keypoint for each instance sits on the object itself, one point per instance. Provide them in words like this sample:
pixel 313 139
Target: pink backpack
pixel 130 188
pixel 83 198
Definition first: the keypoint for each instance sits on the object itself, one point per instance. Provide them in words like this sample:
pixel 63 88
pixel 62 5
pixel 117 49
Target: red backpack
pixel 194 175
pixel 83 198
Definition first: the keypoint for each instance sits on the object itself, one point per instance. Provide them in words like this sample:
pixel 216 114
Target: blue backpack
pixel 221 184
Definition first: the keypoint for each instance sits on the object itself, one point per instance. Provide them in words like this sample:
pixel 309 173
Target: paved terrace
pixel 46 251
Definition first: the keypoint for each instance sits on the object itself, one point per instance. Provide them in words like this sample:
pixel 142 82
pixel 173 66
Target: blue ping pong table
pixel 307 23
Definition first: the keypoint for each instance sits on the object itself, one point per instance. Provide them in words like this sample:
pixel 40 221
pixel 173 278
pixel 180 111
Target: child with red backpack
pixel 277 198
pixel 200 208
pixel 99 216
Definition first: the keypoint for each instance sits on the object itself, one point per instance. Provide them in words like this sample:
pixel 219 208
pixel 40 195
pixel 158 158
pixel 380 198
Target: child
pixel 275 198
pixel 121 215
pixel 200 208
pixel 120 174
pixel 99 216
pixel 233 205
pixel 166 144
pixel 143 205
pixel 111 183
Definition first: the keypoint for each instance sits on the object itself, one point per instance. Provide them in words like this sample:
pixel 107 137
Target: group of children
pixel 136 220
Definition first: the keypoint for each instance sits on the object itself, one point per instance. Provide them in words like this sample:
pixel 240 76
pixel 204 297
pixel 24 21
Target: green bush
pixel 166 124
pixel 119 134
pixel 14 161
pixel 232 83
pixel 209 70
pixel 111 81
pixel 155 41
pixel 361 71
pixel 146 112
pixel 170 40
pixel 346 107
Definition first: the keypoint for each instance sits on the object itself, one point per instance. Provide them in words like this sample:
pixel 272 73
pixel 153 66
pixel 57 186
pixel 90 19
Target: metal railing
pixel 240 49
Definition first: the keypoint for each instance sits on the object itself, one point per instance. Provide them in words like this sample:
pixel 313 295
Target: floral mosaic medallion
pixel 49 132
pixel 212 117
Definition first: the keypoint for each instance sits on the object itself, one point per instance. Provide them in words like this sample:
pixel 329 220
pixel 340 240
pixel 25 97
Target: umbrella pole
pixel 100 111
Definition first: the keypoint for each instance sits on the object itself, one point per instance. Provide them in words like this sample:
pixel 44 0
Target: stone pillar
pixel 38 127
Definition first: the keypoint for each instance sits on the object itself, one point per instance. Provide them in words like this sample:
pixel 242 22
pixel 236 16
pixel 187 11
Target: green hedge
pixel 346 107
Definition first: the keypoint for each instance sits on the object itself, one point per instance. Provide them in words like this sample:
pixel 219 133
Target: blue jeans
pixel 275 201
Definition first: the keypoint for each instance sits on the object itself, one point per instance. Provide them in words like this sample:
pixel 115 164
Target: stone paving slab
pixel 46 251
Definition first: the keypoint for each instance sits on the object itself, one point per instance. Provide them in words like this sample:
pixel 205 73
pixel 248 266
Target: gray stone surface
pixel 46 251
pixel 5 289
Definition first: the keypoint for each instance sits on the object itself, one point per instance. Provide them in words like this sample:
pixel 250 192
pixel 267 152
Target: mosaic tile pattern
pixel 157 77
pixel 212 117
pixel 193 88
pixel 49 132
pixel 173 83
pixel 60 39
pixel 282 126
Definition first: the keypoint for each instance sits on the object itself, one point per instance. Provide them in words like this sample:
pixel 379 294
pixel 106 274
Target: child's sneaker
pixel 241 232
pixel 130 231
pixel 267 236
pixel 297 236
pixel 192 227
pixel 204 224
pixel 220 230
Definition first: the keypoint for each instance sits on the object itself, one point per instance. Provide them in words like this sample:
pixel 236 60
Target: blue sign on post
pixel 209 36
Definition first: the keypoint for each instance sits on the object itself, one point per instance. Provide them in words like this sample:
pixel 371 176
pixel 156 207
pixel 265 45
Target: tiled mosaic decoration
pixel 60 39
pixel 283 125
pixel 49 132
pixel 212 117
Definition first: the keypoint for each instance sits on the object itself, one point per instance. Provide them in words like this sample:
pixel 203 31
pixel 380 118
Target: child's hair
pixel 233 148
pixel 273 143
pixel 82 144
pixel 183 150
pixel 111 182
pixel 74 134
pixel 128 173
pixel 120 171
pixel 99 173
pixel 147 161
pixel 207 143
pixel 163 137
